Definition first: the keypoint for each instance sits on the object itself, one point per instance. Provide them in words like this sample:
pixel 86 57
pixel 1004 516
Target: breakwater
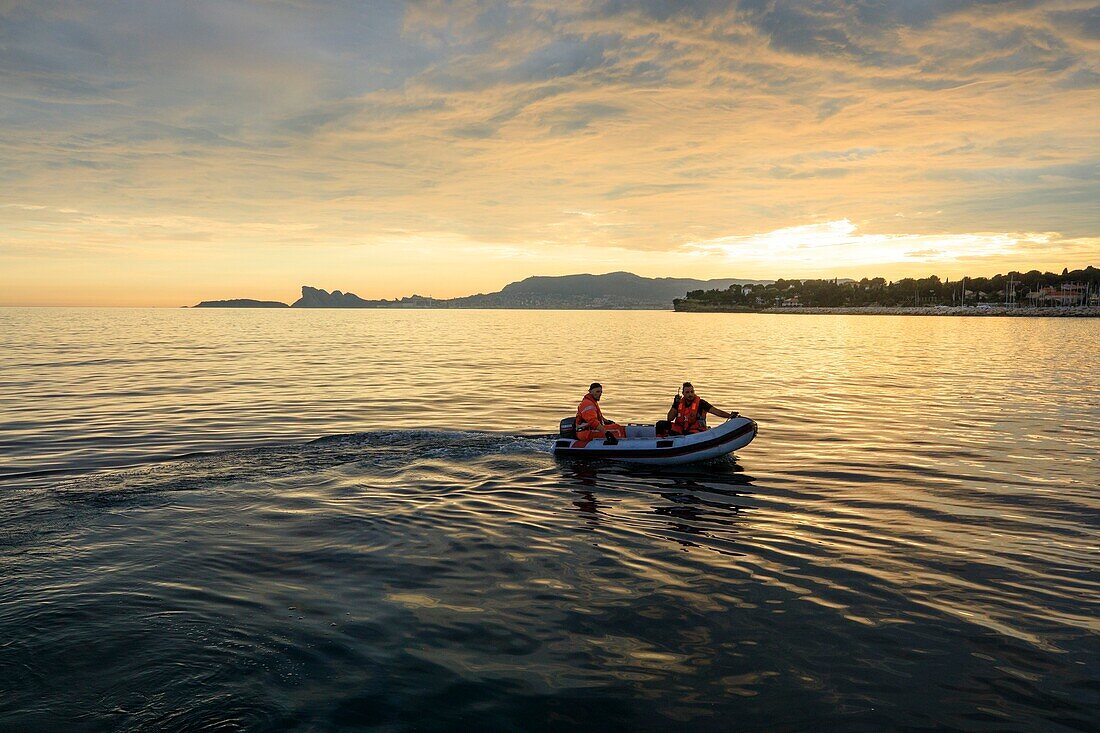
pixel 871 310
pixel 946 310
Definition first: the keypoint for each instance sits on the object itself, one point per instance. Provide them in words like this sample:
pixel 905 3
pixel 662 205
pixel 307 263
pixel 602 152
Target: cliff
pixel 318 298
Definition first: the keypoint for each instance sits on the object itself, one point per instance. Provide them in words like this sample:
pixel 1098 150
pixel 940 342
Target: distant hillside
pixel 615 290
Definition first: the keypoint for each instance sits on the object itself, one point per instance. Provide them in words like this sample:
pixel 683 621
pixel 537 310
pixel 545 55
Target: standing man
pixel 688 414
pixel 591 423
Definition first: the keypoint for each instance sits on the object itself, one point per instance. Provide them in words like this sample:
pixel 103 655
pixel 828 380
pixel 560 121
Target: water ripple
pixel 327 521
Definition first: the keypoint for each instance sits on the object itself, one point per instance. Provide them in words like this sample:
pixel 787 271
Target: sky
pixel 162 153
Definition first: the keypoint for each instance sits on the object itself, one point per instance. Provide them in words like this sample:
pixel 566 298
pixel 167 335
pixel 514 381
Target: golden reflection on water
pixel 924 454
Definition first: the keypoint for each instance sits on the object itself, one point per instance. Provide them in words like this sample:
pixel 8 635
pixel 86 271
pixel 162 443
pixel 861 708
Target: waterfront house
pixel 1063 295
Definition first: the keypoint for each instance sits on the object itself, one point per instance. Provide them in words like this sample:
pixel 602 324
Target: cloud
pixel 337 122
pixel 837 245
pixel 790 173
pixel 1081 22
pixel 1080 79
pixel 572 119
pixel 1083 171
pixel 652 189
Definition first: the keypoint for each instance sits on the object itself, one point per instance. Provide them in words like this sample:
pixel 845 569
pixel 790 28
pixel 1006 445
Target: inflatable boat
pixel 641 444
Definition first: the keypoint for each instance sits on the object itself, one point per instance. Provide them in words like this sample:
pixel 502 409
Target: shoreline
pixel 941 310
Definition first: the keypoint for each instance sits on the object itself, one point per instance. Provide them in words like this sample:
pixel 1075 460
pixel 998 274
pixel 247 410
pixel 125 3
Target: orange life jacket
pixel 588 414
pixel 688 418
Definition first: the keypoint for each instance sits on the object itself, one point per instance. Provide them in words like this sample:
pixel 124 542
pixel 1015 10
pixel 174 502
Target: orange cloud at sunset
pixel 162 153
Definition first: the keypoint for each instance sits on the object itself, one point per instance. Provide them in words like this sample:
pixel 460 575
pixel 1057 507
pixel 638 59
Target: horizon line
pixel 579 274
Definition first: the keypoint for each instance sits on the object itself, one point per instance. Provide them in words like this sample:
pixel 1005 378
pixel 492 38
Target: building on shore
pixel 1067 294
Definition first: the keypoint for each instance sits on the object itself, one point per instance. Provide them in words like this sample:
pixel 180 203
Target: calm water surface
pixel 342 520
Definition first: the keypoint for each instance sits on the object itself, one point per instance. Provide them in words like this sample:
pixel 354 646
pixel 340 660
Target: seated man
pixel 688 414
pixel 591 423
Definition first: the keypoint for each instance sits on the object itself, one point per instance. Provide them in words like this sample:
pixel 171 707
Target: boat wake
pixel 365 453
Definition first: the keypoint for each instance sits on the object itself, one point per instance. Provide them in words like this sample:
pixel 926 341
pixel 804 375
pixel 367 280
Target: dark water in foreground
pixel 369 533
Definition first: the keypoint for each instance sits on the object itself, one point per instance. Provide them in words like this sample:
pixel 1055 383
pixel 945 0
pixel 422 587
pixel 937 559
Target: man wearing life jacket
pixel 591 424
pixel 688 414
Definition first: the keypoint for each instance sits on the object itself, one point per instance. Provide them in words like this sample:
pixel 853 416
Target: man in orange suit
pixel 591 424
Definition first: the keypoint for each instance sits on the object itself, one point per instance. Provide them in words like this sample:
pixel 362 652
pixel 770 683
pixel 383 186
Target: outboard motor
pixel 568 428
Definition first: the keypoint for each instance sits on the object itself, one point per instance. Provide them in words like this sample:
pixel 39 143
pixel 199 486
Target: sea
pixel 344 520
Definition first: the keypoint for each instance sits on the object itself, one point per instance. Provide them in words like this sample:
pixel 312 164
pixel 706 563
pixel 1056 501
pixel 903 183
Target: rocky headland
pixel 612 291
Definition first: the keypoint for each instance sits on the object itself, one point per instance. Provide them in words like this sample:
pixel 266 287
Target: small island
pixel 241 303
pixel 312 298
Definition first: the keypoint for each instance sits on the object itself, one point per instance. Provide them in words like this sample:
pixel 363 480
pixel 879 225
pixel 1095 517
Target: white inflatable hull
pixel 641 445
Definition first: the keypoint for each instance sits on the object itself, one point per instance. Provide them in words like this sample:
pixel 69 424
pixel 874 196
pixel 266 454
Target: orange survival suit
pixel 688 420
pixel 591 424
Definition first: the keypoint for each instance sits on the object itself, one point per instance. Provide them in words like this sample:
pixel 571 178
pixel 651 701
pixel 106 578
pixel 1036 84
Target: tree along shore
pixel 1024 294
pixel 936 310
